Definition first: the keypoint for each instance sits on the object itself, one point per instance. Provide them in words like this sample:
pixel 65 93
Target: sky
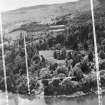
pixel 6 5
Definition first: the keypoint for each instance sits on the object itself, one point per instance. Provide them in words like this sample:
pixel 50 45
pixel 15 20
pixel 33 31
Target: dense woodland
pixel 77 74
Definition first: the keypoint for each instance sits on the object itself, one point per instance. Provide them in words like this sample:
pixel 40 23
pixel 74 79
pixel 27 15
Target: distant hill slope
pixel 44 13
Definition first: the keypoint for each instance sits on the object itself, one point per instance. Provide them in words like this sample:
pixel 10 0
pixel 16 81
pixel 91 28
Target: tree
pixel 63 53
pixel 90 56
pixel 103 42
pixel 101 54
pixel 60 39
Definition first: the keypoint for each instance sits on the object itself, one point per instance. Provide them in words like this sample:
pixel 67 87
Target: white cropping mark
pixel 3 60
pixel 96 55
pixel 26 60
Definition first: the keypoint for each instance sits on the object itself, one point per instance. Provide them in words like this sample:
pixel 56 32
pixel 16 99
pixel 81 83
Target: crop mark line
pixel 3 59
pixel 96 55
pixel 26 60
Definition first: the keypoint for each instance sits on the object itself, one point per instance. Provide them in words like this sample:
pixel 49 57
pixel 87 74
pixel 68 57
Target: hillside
pixel 44 13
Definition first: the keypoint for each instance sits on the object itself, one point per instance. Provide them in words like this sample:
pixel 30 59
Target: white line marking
pixel 96 55
pixel 3 59
pixel 28 81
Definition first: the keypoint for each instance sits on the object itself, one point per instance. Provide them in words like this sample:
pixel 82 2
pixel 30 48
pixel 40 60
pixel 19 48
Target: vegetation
pixel 78 73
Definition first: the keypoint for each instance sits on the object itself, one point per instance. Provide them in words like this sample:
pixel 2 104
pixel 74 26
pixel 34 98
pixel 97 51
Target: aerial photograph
pixel 52 52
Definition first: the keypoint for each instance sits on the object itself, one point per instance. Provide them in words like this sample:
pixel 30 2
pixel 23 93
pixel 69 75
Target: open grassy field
pixel 48 54
pixel 43 14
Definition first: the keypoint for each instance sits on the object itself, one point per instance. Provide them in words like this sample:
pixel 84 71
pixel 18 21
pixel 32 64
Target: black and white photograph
pixel 52 52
